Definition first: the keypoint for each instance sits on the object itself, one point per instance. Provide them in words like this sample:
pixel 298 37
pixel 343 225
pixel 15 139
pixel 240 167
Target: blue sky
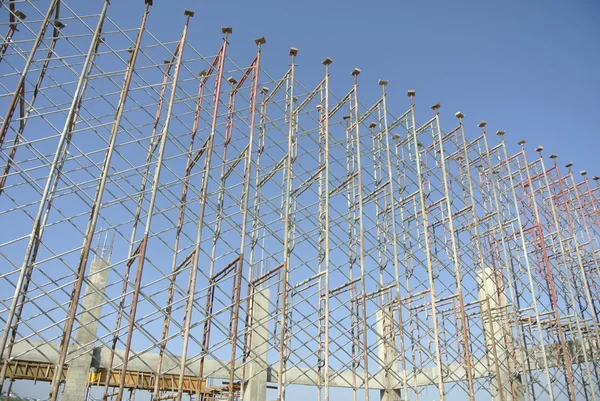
pixel 527 67
pixel 530 68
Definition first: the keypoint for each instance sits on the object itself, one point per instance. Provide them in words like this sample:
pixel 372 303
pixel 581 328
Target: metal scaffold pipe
pixel 259 234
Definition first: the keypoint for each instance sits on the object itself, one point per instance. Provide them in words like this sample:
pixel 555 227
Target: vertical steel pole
pixel 553 296
pixel 235 299
pixel 245 201
pixel 455 258
pixel 567 275
pixel 320 253
pixel 438 356
pixel 327 62
pixel 351 219
pixel 508 265
pixel 476 229
pixel 281 384
pixel 249 334
pixel 222 179
pixel 95 211
pixel 586 228
pixel 144 242
pixel 175 269
pixel 203 196
pixel 142 192
pixel 12 28
pixel 9 390
pixel 592 200
pixel 527 265
pixel 361 233
pixel 49 194
pixel 488 308
pixel 30 109
pixel 21 84
pixel 396 254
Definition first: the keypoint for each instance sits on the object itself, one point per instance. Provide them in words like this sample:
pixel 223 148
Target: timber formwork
pixel 255 230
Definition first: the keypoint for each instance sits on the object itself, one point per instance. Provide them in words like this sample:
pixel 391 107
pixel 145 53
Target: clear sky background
pixel 528 67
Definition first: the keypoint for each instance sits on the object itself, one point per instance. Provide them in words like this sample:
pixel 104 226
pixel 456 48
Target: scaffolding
pixel 170 220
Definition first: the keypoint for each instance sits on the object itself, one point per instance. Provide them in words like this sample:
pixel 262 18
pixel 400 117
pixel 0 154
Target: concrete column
pixel 81 352
pixel 498 336
pixel 387 351
pixel 255 388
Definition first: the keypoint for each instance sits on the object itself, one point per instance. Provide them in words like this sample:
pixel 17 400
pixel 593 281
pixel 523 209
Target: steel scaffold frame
pixel 256 231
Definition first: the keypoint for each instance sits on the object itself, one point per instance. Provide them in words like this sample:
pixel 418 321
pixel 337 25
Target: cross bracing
pixel 171 218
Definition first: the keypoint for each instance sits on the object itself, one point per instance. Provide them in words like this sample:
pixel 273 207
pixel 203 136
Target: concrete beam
pixel 38 351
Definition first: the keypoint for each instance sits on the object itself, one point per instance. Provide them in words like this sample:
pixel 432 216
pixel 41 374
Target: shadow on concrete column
pixel 498 336
pixel 387 352
pixel 81 352
pixel 255 388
